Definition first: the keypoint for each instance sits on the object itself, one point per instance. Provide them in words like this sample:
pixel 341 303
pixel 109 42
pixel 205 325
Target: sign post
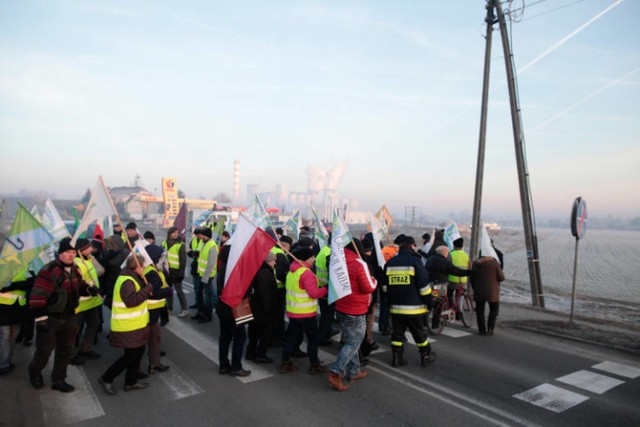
pixel 578 228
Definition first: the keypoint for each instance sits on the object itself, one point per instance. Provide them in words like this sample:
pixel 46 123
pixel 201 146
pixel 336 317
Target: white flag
pixel 377 233
pixel 98 207
pixel 139 249
pixel 258 214
pixel 451 233
pixel 320 232
pixel 339 284
pixel 53 222
pixel 486 248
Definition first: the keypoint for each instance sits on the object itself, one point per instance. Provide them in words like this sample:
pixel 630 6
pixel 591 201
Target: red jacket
pixel 362 286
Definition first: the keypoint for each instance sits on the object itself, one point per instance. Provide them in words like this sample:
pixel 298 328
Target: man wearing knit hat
pixel 207 269
pixel 88 308
pixel 53 301
pixel 302 305
pixel 132 232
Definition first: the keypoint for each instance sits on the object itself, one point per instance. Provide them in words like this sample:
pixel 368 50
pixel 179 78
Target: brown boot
pixel 317 368
pixel 359 376
pixel 336 382
pixel 287 367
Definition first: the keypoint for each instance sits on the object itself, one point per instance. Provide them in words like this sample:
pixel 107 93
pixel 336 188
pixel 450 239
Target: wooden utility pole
pixel 531 242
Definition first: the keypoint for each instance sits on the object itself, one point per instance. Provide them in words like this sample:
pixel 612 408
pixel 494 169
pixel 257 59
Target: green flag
pixel 26 239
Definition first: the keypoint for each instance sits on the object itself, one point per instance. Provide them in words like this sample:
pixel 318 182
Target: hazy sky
pixel 183 88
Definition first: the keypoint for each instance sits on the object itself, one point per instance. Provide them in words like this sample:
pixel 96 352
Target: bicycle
pixel 441 313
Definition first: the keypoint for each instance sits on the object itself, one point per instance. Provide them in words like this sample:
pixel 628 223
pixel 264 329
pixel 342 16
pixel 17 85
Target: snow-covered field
pixel 608 279
pixel 608 262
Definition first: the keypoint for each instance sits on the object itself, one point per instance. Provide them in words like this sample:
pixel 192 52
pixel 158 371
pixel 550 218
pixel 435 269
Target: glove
pixel 93 291
pixel 429 301
pixel 42 326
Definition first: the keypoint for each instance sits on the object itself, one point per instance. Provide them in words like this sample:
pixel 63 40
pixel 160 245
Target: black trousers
pixel 130 361
pixel 259 338
pixel 494 308
pixel 59 334
pixel 415 323
pixel 298 326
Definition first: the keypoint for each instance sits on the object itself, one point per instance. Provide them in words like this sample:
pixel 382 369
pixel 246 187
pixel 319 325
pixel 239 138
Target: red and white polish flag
pixel 249 247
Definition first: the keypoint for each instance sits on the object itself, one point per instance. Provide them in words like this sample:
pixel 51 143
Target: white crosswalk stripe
pixel 70 408
pixel 590 381
pixel 207 346
pixel 455 333
pixel 618 369
pixel 550 397
pixel 178 383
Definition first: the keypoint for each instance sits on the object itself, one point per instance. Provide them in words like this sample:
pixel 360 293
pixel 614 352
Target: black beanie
pixel 458 243
pixel 303 253
pixel 65 245
pixel 82 244
pixel 154 252
pixel 149 235
pixel 206 231
pixel 131 226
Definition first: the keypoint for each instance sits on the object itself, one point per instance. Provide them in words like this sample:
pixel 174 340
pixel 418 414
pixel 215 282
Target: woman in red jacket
pixel 352 313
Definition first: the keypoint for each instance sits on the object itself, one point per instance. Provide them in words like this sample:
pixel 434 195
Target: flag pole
pixel 113 206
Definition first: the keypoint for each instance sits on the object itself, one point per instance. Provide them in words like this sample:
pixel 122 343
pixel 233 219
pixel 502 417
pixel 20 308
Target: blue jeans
pixel 353 329
pixel 7 337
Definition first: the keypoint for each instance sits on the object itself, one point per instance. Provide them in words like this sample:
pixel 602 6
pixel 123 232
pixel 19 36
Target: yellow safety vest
pixel 322 272
pixel 276 250
pixel 204 257
pixel 89 275
pixel 10 297
pixel 173 255
pixel 460 259
pixel 196 244
pixel 298 300
pixel 153 304
pixel 127 319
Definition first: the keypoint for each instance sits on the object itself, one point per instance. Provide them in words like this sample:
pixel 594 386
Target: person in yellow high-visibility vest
pixel 207 269
pixel 129 325
pixel 87 312
pixel 302 306
pixel 457 284
pixel 13 310
pixel 176 265
pixel 156 304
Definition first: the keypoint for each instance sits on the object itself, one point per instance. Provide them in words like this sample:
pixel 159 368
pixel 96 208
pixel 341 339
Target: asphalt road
pixel 514 378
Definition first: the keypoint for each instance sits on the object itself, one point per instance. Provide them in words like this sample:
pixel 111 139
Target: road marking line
pixel 550 397
pixel 178 383
pixel 455 333
pixel 590 381
pixel 206 345
pixel 70 408
pixel 454 398
pixel 618 369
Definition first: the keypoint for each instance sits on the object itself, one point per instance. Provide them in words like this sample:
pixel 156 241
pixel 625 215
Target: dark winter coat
pixel 440 268
pixel 264 295
pixel 486 276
